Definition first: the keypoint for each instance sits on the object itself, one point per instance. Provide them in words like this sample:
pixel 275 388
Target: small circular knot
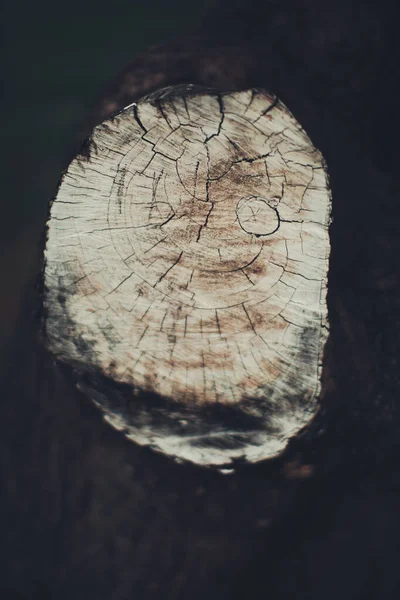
pixel 256 216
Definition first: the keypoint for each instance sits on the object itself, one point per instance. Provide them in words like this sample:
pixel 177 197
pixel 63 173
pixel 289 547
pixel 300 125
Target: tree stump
pixel 186 273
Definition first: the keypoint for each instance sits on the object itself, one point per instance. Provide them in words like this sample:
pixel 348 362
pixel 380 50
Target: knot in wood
pixel 256 216
pixel 186 268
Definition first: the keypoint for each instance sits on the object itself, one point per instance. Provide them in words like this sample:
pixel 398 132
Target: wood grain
pixel 187 257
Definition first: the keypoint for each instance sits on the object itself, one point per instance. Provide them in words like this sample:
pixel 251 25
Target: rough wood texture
pixel 87 515
pixel 188 257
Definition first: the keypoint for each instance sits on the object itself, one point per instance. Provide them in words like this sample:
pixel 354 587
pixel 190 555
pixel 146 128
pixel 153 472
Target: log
pixel 89 515
pixel 186 274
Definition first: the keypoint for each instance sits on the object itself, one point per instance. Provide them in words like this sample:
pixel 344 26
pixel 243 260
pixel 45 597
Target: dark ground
pixel 84 513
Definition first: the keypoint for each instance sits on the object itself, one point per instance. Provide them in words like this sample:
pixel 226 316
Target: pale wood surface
pixel 188 257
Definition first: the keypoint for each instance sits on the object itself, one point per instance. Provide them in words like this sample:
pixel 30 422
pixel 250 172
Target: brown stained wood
pixel 187 257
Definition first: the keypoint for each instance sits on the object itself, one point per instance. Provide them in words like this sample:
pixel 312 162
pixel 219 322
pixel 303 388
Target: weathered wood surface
pixel 187 257
pixel 85 514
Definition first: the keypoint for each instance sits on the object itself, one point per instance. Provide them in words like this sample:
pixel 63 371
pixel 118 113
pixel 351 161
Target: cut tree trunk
pixel 87 514
pixel 187 258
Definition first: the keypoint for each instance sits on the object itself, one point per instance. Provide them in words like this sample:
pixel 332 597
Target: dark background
pixel 73 513
pixel 58 57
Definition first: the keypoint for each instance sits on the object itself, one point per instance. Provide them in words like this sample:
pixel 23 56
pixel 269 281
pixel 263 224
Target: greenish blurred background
pixel 58 57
